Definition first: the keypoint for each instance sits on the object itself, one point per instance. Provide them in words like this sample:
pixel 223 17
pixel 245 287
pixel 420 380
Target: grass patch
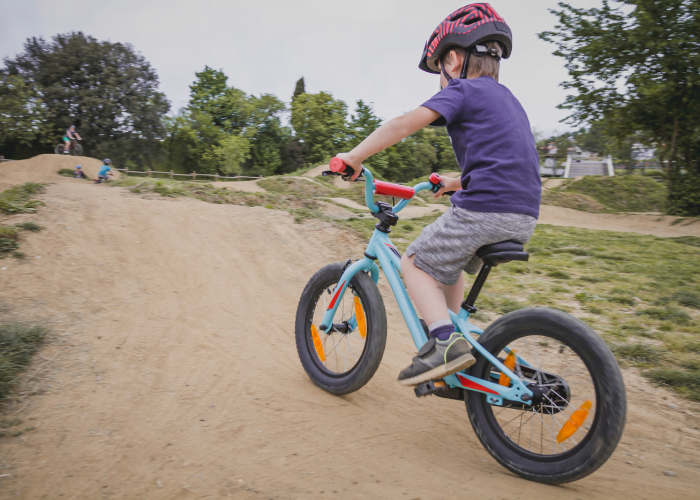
pixel 10 238
pixel 29 226
pixel 70 172
pixel 637 353
pixel 18 341
pixel 624 193
pixel 18 199
pixel 667 313
pixel 687 299
pixel 288 196
pixel 685 382
pixel 577 201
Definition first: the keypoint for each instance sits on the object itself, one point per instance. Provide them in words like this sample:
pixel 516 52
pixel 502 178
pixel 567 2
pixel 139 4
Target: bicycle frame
pixel 381 249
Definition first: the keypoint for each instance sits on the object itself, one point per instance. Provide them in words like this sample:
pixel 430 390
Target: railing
pixel 192 175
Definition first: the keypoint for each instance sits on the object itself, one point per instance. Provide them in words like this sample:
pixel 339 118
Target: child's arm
pixel 387 135
pixel 77 135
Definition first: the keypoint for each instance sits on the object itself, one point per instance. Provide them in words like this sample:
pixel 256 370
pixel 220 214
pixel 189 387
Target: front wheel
pixel 574 422
pixel 344 359
pixel 77 150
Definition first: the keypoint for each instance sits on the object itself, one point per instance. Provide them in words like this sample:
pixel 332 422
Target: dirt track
pixel 174 372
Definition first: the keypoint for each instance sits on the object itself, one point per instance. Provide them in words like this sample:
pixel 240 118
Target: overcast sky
pixel 354 49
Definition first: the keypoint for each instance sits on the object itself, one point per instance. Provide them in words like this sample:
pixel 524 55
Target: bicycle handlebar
pixel 372 187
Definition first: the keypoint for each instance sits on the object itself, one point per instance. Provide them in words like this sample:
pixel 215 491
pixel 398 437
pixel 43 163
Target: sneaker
pixel 437 359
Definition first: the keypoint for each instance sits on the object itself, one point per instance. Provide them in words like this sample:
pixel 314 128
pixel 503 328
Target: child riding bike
pixel 104 172
pixel 70 135
pixel 497 197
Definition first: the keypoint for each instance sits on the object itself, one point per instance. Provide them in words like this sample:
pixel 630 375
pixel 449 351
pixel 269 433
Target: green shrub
pixel 18 341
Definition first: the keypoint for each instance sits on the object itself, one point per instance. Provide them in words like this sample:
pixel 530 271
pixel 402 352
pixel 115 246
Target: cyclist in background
pixel 71 135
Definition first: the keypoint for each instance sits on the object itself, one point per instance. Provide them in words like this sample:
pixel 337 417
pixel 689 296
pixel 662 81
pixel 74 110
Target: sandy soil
pixel 173 372
pixel 644 223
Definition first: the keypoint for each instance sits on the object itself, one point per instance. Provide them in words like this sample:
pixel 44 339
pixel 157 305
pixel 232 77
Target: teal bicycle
pixel 545 396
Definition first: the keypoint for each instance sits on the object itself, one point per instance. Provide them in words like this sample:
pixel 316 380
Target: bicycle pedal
pixel 427 388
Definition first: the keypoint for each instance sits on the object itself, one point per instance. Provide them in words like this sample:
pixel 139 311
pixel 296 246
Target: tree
pixel 21 114
pixel 267 136
pixel 362 123
pixel 637 67
pixel 299 88
pixel 208 86
pixel 108 87
pixel 319 123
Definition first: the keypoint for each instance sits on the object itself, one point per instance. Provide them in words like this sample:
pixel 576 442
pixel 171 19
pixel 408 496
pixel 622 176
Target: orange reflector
pixel 575 421
pixel 360 317
pixel 317 342
pixel 439 383
pixel 510 364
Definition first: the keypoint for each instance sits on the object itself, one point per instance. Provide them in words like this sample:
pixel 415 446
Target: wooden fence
pixel 193 176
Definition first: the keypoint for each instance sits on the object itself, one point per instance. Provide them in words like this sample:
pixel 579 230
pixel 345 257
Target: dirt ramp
pixel 44 168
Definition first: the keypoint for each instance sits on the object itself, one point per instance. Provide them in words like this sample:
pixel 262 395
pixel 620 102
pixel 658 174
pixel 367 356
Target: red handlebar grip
pixel 337 165
pixel 390 189
pixel 434 178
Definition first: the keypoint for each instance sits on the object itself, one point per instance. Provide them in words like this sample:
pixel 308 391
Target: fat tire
pixel 58 149
pixel 77 150
pixel 375 313
pixel 611 403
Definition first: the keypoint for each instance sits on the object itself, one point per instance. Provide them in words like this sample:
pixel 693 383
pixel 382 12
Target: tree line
pixel 111 93
pixel 634 68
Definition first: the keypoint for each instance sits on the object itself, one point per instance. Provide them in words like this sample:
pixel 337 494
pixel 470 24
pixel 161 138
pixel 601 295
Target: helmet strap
pixel 442 67
pixel 465 66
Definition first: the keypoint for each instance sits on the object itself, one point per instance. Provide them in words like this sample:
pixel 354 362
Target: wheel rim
pixel 562 421
pixel 342 352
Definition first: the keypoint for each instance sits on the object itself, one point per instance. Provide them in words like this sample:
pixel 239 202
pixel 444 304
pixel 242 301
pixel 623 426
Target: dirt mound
pixel 174 372
pixel 576 201
pixel 44 168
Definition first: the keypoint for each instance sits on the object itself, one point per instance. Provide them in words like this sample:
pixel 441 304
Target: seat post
pixel 468 303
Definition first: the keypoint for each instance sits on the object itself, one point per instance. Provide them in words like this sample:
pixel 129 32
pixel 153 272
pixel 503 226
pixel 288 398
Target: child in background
pixel 105 171
pixel 79 174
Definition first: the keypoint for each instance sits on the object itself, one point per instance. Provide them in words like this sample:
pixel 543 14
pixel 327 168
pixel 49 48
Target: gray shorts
pixel 448 246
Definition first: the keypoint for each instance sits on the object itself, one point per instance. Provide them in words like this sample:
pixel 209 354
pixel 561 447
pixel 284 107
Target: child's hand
pixel 451 184
pixel 348 159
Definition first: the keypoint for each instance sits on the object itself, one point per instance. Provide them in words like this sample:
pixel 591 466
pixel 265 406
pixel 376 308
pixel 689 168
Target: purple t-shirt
pixel 494 146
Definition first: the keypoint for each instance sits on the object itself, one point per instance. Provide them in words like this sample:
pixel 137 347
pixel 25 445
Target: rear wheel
pixel 576 419
pixel 58 149
pixel 345 359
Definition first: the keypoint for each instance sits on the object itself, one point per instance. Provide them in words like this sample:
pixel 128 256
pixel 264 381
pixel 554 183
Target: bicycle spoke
pixel 339 358
pixel 562 379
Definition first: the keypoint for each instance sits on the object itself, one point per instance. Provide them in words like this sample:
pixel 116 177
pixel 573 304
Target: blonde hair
pixel 479 66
